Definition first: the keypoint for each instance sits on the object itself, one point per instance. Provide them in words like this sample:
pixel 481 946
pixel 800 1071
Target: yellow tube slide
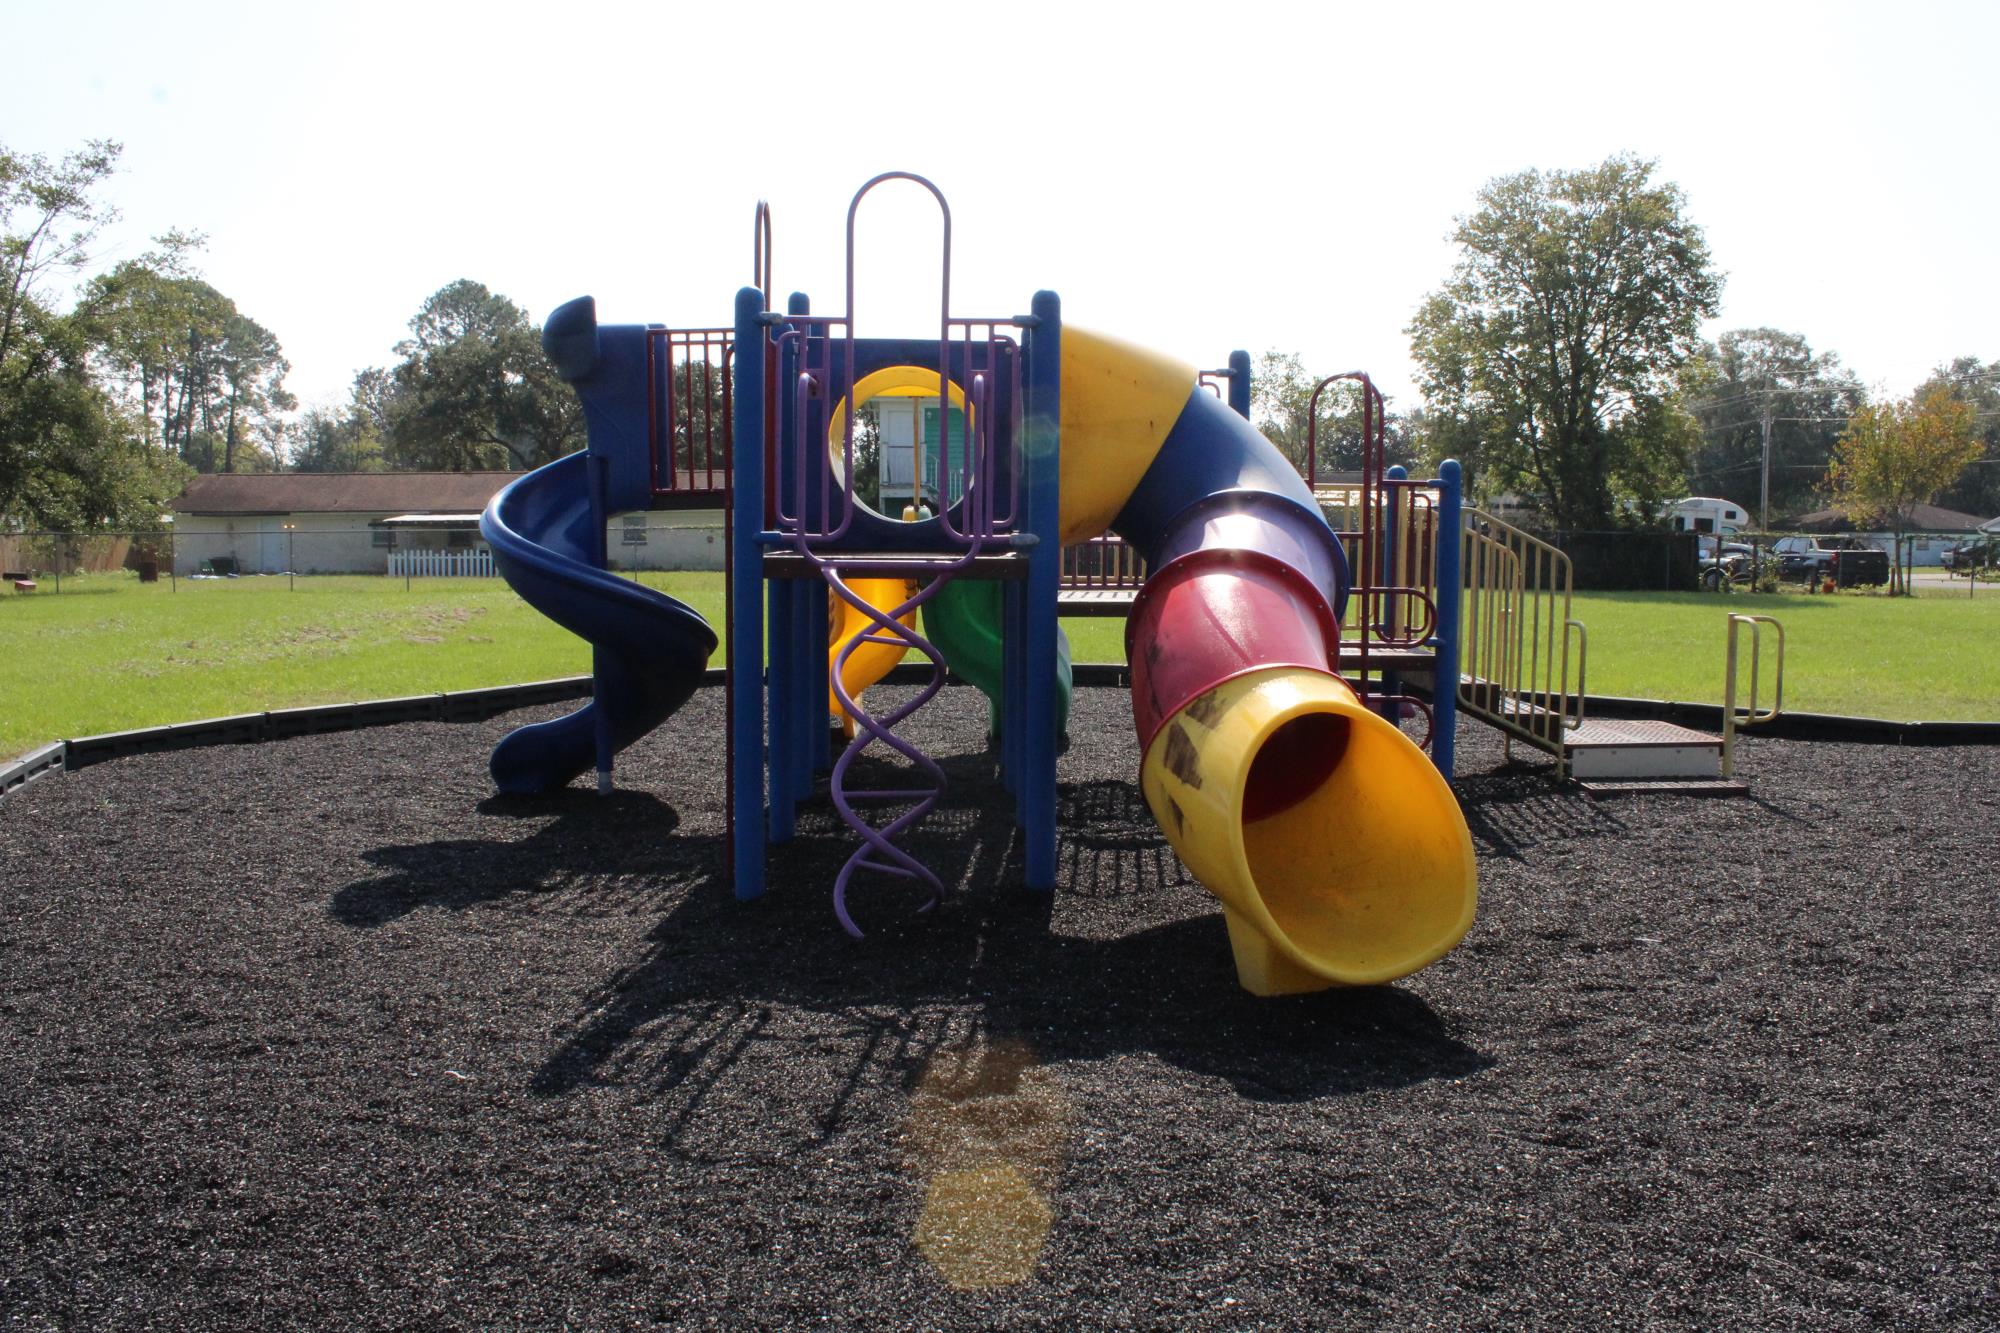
pixel 1336 849
pixel 870 661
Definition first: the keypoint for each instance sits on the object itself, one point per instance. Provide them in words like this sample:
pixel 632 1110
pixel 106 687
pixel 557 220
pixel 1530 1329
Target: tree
pixel 182 350
pixel 1559 340
pixel 370 395
pixel 69 458
pixel 253 369
pixel 1766 386
pixel 61 222
pixel 1965 379
pixel 474 391
pixel 350 437
pixel 1896 456
pixel 333 439
pixel 1281 393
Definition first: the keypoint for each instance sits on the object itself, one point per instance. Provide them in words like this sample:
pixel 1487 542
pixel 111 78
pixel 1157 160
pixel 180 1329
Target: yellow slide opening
pixel 1338 852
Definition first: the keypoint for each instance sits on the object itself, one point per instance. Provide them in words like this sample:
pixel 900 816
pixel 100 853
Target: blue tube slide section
pixel 1217 483
pixel 546 531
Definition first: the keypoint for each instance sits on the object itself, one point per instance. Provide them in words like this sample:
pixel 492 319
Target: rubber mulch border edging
pixel 475 705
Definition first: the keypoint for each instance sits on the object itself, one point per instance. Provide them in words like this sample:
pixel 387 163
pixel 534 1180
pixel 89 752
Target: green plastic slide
pixel 963 620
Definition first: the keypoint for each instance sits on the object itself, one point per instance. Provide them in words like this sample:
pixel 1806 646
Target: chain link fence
pixel 401 553
pixel 297 550
pixel 1927 564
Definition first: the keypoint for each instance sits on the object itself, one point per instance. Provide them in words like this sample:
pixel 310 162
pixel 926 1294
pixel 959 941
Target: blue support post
pixel 746 598
pixel 1444 677
pixel 808 669
pixel 1239 383
pixel 1041 456
pixel 812 750
pixel 600 662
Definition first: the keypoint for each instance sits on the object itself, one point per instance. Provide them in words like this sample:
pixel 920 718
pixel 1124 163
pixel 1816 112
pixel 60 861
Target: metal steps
pixel 1677 787
pixel 1610 748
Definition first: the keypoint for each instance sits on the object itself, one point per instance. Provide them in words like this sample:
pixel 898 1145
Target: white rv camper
pixel 1705 513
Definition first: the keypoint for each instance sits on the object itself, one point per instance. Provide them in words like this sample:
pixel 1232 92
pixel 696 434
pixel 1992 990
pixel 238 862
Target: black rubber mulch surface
pixel 322 1034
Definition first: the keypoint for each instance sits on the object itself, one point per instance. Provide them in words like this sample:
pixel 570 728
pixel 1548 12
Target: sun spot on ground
pixel 986 1132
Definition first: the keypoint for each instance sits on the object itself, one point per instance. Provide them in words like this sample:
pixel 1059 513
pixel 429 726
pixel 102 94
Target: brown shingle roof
pixel 340 492
pixel 1923 518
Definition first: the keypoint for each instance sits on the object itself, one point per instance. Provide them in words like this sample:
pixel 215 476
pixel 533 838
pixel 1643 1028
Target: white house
pixel 351 523
pixel 1929 531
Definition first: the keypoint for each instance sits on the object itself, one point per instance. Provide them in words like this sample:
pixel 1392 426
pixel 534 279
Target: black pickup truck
pixel 1848 561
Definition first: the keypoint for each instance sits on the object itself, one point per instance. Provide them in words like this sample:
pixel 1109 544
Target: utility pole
pixel 1764 490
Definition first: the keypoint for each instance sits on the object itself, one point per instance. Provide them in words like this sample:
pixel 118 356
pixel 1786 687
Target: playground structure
pixel 1271 657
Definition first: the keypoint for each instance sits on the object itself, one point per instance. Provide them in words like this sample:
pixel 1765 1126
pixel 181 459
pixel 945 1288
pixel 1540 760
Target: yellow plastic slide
pixel 870 661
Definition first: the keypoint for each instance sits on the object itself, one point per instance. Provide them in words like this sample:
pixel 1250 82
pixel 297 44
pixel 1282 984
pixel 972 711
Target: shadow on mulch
pixel 618 835
pixel 720 979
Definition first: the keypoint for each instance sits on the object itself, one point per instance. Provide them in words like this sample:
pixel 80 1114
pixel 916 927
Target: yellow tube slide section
pixel 869 661
pixel 1118 403
pixel 1335 847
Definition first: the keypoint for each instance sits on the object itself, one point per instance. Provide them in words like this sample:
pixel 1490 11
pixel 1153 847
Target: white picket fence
pixel 441 564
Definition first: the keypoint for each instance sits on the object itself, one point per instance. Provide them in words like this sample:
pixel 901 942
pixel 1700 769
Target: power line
pixel 1744 395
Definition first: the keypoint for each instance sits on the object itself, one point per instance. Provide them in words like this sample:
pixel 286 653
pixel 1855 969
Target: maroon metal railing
pixel 688 415
pixel 1390 541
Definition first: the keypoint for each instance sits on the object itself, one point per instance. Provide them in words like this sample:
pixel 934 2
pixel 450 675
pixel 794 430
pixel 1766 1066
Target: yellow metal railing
pixel 1515 632
pixel 1751 716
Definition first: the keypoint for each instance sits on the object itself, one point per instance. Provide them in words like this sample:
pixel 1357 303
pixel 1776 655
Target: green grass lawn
pixel 1906 658
pixel 1933 657
pixel 111 653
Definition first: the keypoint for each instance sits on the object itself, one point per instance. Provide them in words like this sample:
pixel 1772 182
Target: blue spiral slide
pixel 547 535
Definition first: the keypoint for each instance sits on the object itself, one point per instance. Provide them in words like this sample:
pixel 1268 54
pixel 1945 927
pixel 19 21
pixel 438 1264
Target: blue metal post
pixel 812 746
pixel 746 598
pixel 1239 383
pixel 1444 688
pixel 788 665
pixel 600 555
pixel 808 670
pixel 1041 456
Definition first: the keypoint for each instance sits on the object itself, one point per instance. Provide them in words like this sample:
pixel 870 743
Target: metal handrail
pixel 760 259
pixel 1516 629
pixel 1582 663
pixel 1751 716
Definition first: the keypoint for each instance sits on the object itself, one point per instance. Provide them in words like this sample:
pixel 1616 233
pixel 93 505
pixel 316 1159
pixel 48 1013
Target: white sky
pixel 1195 178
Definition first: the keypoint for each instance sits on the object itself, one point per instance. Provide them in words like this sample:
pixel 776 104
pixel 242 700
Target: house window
pixel 382 537
pixel 458 539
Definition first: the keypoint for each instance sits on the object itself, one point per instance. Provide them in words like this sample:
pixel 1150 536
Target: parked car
pixel 1848 561
pixel 1973 554
pixel 1724 562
